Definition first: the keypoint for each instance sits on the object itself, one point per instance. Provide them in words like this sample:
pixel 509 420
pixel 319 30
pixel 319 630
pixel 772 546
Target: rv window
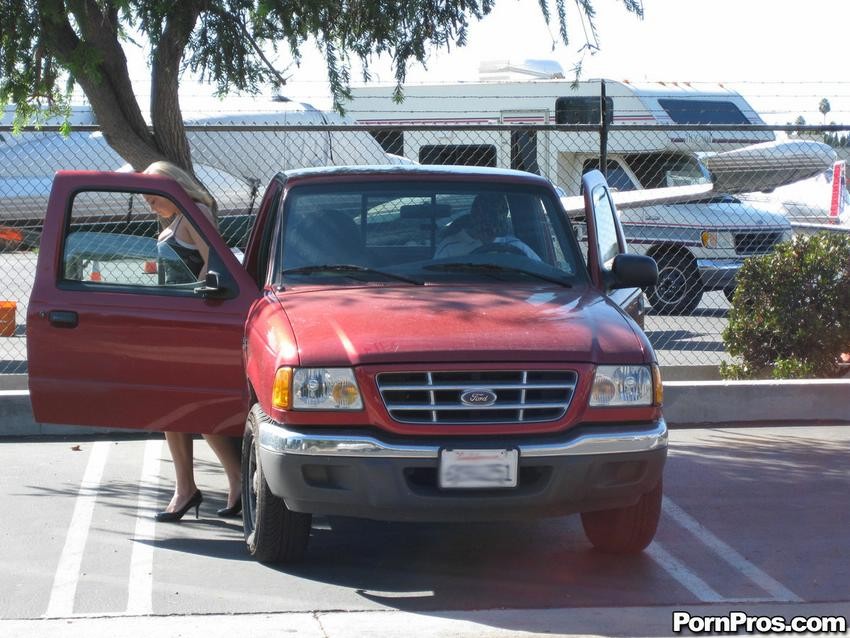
pixel 391 141
pixel 617 177
pixel 703 112
pixel 658 170
pixel 459 154
pixel 524 151
pixel 582 110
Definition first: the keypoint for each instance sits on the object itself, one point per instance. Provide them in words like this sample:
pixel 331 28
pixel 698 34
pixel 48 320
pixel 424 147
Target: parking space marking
pixel 67 574
pixel 140 586
pixel 777 590
pixel 686 578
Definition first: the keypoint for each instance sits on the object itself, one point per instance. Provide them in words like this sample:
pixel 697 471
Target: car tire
pixel 679 289
pixel 273 532
pixel 625 530
pixel 729 292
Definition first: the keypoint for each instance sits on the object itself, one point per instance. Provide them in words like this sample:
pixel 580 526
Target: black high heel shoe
pixel 233 511
pixel 176 515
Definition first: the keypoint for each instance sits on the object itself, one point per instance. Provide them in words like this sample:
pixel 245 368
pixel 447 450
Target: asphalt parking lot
pixel 751 517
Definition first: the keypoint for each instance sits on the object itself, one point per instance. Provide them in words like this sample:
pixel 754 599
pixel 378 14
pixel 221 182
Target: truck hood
pixel 418 324
pixel 717 215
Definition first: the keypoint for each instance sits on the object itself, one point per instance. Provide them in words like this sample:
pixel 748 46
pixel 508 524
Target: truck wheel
pixel 273 533
pixel 625 530
pixel 679 289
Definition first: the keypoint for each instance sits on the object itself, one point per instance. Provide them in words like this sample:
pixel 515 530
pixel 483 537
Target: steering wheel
pixel 499 247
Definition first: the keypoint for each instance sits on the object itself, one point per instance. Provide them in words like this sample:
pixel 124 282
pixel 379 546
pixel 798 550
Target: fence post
pixel 603 130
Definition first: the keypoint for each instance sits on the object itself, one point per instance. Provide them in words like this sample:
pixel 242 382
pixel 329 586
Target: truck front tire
pixel 273 533
pixel 625 530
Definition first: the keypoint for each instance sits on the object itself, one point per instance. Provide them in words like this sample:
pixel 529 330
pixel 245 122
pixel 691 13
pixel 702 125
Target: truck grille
pixel 756 243
pixel 521 396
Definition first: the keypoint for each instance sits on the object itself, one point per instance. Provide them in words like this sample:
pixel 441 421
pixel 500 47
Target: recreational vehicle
pixel 700 244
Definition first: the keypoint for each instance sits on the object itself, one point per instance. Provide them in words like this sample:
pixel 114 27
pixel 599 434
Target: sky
pixel 782 55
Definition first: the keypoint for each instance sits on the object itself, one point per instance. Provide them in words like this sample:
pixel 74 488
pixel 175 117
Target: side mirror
pixel 212 285
pixel 633 271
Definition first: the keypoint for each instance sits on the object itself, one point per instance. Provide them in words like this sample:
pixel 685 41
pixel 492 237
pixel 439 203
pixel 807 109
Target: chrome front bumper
pixel 717 274
pixel 378 476
pixel 277 439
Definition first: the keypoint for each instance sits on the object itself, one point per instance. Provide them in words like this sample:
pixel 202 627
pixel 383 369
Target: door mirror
pixel 633 271
pixel 605 234
pixel 212 285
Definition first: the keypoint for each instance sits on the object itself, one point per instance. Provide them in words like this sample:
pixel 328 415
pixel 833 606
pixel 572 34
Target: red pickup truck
pixel 398 343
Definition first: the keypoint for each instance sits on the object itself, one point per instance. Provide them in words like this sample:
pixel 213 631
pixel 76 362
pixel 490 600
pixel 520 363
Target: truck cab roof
pixel 414 170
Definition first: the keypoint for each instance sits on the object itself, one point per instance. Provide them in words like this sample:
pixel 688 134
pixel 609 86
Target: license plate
pixel 478 468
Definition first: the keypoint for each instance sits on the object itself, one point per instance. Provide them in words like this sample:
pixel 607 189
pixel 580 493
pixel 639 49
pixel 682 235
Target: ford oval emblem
pixel 478 397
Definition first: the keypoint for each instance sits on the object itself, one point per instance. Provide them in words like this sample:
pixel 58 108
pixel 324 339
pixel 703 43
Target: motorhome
pixel 637 156
pixel 700 244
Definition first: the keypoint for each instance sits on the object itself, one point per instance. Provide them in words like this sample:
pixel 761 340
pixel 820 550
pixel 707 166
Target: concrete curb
pixel 686 404
pixel 785 402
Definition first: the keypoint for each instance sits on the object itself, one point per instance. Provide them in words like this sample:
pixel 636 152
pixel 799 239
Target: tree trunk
pixel 166 116
pixel 108 86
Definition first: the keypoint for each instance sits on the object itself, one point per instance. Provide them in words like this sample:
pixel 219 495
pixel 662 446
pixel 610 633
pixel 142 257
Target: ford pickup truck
pixel 398 343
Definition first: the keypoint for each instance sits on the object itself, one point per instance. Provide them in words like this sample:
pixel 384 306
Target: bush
pixel 790 315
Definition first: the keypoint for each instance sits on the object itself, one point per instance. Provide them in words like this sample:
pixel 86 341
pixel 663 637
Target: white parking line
pixel 688 579
pixel 67 575
pixel 140 586
pixel 777 590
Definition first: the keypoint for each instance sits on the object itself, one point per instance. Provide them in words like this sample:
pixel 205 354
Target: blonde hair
pixel 192 185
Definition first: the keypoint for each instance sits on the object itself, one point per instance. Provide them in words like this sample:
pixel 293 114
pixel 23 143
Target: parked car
pixel 368 376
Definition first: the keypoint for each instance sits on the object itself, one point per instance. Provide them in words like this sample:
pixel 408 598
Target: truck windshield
pixel 425 231
pixel 660 170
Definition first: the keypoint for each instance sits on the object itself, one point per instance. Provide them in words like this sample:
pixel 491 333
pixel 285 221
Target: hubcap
pixel 672 285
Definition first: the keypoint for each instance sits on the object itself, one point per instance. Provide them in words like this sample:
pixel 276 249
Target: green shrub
pixel 790 316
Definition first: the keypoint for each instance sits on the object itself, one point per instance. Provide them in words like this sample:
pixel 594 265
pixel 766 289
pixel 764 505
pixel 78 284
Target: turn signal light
pixel 282 390
pixel 657 386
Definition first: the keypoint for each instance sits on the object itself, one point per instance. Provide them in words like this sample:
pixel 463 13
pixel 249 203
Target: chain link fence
pixel 768 184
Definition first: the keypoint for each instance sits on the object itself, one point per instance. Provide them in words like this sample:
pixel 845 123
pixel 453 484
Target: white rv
pixel 699 245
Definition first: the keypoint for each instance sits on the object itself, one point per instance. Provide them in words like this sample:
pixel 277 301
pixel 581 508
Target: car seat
pixel 323 237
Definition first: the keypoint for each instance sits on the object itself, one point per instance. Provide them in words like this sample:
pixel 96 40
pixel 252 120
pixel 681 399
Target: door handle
pixel 63 318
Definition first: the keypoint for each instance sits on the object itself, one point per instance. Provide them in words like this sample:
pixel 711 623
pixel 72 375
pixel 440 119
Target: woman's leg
pixel 226 448
pixel 180 446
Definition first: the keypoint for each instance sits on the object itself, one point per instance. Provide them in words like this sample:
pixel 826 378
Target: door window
pixel 113 239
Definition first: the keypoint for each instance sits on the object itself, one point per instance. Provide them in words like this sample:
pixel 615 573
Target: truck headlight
pixel 325 389
pixel 627 385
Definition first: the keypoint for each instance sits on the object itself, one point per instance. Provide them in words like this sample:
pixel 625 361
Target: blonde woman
pixel 179 237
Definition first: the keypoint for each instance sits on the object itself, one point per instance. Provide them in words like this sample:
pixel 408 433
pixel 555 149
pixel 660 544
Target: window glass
pixel 659 170
pixel 434 231
pixel 113 238
pixel 582 110
pixel 617 177
pixel 606 227
pixel 524 151
pixel 390 141
pixel 703 112
pixel 458 154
